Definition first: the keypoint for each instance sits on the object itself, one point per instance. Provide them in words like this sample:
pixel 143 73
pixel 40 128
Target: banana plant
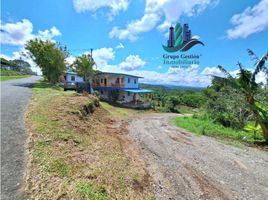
pixel 246 83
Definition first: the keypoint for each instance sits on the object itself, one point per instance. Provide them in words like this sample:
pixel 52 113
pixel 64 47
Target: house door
pixel 105 81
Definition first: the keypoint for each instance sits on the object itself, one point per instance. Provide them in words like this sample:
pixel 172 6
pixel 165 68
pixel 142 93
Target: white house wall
pixel 77 78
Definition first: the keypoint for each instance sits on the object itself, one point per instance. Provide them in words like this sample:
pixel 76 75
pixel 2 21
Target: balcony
pixel 112 85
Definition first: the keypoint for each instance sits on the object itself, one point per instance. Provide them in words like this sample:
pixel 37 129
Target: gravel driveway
pixel 14 98
pixel 185 166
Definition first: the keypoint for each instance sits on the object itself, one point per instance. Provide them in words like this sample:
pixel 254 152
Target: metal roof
pixel 111 73
pixel 138 90
pixel 68 72
pixel 124 89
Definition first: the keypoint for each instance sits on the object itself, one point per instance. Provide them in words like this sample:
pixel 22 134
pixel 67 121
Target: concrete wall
pixel 127 96
pixel 124 96
pixel 104 94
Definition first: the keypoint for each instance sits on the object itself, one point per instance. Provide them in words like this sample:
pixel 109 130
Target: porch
pixel 132 98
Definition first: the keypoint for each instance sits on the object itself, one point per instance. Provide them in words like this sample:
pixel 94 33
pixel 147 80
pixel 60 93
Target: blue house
pixel 124 86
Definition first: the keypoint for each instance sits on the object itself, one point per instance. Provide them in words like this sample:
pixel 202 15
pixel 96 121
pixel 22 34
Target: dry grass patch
pixel 78 151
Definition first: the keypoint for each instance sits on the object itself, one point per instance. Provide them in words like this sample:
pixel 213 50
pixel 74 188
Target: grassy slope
pixel 122 113
pixel 207 127
pixel 10 74
pixel 5 78
pixel 76 157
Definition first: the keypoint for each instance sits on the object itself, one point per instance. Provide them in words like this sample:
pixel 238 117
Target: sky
pixel 127 35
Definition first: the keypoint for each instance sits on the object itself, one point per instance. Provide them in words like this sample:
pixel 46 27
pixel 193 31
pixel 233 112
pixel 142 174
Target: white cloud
pixel 250 21
pixel 170 10
pixel 92 5
pixel 208 71
pixel 131 63
pixel 19 33
pixel 102 56
pixel 16 33
pixel 70 59
pixel 145 24
pixel 197 37
pixel 261 77
pixel 120 46
pixel 49 34
pixel 164 26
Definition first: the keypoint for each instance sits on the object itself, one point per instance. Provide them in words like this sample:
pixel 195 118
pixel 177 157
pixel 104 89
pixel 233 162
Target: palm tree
pixel 246 83
pixel 84 66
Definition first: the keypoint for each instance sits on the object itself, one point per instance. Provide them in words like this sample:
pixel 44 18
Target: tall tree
pixel 246 83
pixel 49 56
pixel 84 66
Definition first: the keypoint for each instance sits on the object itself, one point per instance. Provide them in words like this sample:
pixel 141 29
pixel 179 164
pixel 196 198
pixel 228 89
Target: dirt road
pixel 184 166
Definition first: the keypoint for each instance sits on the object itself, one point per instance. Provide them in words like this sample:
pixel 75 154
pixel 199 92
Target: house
pixel 72 77
pixel 114 87
pixel 71 80
pixel 120 88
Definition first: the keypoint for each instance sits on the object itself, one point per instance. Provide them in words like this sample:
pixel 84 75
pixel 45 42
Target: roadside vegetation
pixel 205 126
pixel 11 74
pixel 77 151
pixel 231 107
pixel 14 69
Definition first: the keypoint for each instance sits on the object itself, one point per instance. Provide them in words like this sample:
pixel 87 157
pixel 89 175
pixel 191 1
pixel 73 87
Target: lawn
pixel 10 74
pixel 120 112
pixel 209 128
pixel 76 154
pixel 5 78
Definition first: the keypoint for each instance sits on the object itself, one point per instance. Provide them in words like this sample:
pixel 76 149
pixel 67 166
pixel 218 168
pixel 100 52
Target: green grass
pixel 207 127
pixel 74 157
pixel 231 143
pixel 122 112
pixel 87 190
pixel 5 78
pixel 11 74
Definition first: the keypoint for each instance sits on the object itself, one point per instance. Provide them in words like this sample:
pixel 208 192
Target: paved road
pixel 14 98
pixel 185 166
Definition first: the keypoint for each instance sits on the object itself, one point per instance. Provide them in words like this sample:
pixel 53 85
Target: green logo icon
pixel 180 39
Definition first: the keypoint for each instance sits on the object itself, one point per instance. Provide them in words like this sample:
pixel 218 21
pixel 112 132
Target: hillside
pixel 11 74
pixel 169 87
pixel 80 150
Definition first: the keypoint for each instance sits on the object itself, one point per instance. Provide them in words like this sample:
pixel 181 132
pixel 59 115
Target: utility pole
pixel 91 50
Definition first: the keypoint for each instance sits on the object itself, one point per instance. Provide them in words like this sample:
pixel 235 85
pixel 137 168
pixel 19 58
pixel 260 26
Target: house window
pixel 72 78
pixel 128 93
pixel 128 80
pixel 135 81
pixel 101 80
pixel 117 80
pixel 101 92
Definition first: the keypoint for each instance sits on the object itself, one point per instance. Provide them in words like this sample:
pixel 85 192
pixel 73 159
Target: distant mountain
pixel 169 87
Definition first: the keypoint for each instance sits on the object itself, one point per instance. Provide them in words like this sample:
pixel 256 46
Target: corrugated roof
pixel 71 73
pixel 111 73
pixel 138 90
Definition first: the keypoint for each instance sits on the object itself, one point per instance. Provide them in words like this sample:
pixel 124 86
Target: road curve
pixel 14 98
pixel 185 166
